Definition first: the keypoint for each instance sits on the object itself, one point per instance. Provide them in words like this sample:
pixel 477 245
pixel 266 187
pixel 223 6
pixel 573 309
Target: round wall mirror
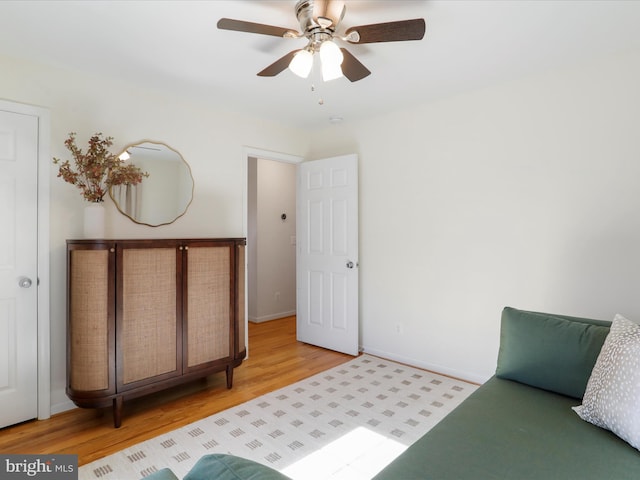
pixel 164 195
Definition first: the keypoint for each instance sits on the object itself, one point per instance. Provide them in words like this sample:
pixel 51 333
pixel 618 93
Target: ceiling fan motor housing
pixel 317 15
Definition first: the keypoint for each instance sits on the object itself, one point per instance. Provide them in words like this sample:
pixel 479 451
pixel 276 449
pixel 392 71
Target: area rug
pixel 347 422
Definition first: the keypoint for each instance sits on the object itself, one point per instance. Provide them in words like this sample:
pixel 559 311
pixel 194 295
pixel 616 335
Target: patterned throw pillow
pixel 612 397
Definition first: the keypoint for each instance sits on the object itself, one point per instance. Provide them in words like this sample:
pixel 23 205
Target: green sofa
pixel 520 424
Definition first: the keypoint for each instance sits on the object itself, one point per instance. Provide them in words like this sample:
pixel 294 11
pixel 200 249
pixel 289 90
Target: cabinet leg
pixel 117 411
pixel 229 376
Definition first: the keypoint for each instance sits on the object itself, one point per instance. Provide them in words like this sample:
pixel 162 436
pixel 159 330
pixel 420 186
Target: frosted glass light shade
pixel 301 63
pixel 331 58
pixel 330 53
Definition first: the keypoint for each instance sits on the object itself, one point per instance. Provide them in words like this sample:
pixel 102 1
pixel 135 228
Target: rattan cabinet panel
pixel 144 315
pixel 147 318
pixel 89 334
pixel 208 305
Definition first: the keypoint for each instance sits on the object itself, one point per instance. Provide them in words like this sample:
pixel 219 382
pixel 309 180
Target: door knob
pixel 24 282
pixel 350 264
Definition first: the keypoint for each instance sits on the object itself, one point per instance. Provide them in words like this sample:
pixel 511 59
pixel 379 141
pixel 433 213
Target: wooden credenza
pixel 144 315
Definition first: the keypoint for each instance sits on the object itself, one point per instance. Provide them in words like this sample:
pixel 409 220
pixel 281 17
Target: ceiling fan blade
pixel 278 66
pixel 250 27
pixel 389 32
pixel 352 68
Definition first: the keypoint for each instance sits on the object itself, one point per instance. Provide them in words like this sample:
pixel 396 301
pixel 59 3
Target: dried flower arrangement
pixel 97 170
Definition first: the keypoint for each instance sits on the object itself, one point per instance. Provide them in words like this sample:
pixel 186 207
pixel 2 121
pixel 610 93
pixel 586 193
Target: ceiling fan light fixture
pixel 331 58
pixel 301 63
pixel 319 21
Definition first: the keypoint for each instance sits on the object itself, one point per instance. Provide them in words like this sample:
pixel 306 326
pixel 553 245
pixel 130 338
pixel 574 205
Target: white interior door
pixel 18 267
pixel 327 256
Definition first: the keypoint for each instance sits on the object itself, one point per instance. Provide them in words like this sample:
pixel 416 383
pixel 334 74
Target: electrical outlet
pixel 277 296
pixel 399 329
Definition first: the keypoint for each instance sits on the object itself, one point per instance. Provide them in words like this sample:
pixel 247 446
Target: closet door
pixel 208 311
pixel 148 316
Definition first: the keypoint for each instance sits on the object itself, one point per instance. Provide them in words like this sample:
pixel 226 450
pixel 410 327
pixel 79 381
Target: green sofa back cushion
pixel 552 352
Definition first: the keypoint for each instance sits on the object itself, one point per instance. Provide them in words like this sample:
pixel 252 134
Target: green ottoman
pixel 229 467
pixel 164 474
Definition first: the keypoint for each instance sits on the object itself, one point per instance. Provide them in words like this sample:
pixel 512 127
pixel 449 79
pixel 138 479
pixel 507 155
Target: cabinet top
pixel 151 241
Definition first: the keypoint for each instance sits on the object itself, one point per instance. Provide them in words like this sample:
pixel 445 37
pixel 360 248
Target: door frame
pixel 43 292
pixel 252 152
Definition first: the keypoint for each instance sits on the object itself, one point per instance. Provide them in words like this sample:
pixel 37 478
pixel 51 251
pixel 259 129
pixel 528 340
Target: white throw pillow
pixel 612 397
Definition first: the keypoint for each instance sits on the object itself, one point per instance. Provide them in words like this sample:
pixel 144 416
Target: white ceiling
pixel 175 46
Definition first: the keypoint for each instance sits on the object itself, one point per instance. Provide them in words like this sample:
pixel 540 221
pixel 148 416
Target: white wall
pixel 211 142
pixel 274 265
pixel 525 194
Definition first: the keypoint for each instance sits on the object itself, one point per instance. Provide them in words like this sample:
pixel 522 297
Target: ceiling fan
pixel 319 21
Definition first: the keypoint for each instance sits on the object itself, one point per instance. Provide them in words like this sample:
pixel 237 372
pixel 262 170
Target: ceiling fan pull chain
pixel 320 99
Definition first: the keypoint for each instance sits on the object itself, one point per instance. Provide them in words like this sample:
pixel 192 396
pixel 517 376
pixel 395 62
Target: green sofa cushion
pixel 229 467
pixel 553 352
pixel 508 430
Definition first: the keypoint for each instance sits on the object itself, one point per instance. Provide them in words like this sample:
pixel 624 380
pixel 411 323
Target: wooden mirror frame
pixel 143 203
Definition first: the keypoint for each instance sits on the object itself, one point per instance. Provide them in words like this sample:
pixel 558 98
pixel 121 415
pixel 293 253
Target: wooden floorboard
pixel 276 359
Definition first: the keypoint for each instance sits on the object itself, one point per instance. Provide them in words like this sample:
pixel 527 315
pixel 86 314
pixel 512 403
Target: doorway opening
pixel 270 229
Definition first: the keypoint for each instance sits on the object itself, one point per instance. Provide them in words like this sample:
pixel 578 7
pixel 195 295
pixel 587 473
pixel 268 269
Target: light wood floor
pixel 276 359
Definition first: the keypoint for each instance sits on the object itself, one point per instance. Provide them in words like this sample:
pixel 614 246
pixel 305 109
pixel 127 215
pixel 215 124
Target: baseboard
pixel 62 407
pixel 274 316
pixel 472 377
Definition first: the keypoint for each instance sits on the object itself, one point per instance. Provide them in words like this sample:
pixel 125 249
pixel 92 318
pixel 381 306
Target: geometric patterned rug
pixel 347 422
